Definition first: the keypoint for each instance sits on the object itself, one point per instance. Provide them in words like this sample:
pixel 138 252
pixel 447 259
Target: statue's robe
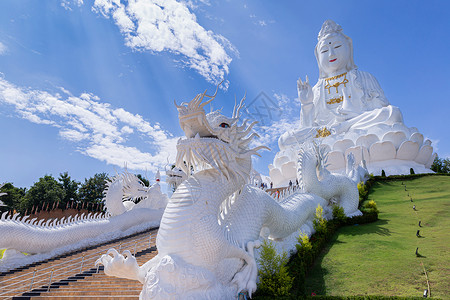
pixel 366 108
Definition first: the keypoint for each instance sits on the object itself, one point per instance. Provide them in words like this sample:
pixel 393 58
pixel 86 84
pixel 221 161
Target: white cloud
pixel 269 134
pixel 67 4
pixel 98 129
pixel 290 120
pixel 168 25
pixel 3 49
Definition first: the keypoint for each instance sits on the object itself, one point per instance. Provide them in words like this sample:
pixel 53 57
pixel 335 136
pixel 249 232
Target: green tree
pixel 274 279
pixel 12 198
pixel 47 191
pixel 70 188
pixel 91 191
pixel 319 222
pixel 441 165
pixel 143 179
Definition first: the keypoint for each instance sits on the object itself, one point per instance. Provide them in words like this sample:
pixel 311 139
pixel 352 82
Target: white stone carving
pixel 336 160
pixel 347 107
pixel 381 151
pixel 408 150
pixel 359 153
pixel 424 155
pixel 367 140
pixel 213 221
pixel 418 138
pixel 396 138
pixel 357 172
pixel 343 145
pixel 56 237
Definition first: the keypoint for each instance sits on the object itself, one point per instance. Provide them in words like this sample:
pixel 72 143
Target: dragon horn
pixel 177 106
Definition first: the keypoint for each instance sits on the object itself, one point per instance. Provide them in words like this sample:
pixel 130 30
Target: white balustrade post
pixel 32 279
pixel 82 262
pixel 50 281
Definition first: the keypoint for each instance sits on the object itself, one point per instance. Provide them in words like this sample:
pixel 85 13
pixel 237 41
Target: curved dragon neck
pixel 308 172
pixel 219 187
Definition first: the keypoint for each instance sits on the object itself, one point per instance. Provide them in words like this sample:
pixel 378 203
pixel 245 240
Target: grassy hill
pixel 379 258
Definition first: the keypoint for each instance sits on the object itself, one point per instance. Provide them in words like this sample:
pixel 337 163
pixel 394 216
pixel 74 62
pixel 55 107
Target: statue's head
pixel 334 50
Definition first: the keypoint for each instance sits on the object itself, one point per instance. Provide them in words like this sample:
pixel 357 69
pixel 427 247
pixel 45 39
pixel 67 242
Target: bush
pixel 274 279
pixel 383 174
pixel 304 249
pixel 319 222
pixel 370 207
pixel 411 171
pixel 339 215
pixel 363 192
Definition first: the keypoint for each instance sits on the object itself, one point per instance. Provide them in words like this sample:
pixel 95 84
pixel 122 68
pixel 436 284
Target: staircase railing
pixel 46 276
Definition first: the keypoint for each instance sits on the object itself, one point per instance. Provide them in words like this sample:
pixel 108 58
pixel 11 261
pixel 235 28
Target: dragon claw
pixel 120 265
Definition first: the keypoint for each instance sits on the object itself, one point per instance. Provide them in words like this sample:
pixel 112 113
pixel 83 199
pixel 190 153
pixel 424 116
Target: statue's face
pixel 334 54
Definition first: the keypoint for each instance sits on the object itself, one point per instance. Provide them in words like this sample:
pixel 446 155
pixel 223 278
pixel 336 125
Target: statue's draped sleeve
pixel 373 94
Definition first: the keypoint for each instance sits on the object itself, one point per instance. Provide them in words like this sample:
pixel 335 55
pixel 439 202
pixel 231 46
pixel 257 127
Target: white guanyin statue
pixel 348 112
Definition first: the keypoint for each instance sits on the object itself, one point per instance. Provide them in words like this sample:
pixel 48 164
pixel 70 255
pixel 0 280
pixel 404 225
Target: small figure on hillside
pixel 271 185
pixel 296 182
pixel 418 233
pixel 417 253
pixel 290 183
pixel 420 225
pixel 414 207
pixel 411 199
pixel 405 188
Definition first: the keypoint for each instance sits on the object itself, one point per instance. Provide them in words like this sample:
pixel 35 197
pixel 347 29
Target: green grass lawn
pixel 379 258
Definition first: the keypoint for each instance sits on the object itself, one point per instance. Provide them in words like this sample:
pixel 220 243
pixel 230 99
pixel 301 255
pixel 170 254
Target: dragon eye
pixel 224 125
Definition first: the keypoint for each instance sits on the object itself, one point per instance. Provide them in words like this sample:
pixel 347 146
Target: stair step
pixel 72 282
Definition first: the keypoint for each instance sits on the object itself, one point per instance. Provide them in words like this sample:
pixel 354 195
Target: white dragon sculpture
pixel 55 237
pixel 357 173
pixel 215 219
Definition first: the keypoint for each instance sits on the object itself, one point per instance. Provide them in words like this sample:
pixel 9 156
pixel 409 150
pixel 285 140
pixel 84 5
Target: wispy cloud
pixel 289 110
pixel 95 127
pixel 3 49
pixel 68 4
pixel 168 25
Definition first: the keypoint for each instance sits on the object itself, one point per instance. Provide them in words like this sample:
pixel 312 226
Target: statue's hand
pixel 123 266
pixel 305 93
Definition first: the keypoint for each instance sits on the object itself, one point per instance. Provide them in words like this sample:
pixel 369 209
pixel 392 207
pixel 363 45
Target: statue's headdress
pixel 329 27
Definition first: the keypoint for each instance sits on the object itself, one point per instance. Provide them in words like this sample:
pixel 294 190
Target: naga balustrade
pixel 20 284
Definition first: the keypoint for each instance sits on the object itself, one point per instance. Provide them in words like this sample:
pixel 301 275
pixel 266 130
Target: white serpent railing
pixel 17 285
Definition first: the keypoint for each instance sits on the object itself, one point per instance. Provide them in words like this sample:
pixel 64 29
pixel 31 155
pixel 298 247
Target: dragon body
pixel 336 188
pixel 55 237
pixel 214 220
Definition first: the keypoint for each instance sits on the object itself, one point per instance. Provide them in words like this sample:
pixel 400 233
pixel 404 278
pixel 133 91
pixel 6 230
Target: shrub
pixel 383 174
pixel 370 207
pixel 304 248
pixel 339 215
pixel 411 171
pixel 319 222
pixel 274 279
pixel 363 192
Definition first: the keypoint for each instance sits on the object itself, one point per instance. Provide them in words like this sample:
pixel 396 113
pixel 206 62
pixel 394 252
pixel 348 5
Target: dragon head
pixel 214 141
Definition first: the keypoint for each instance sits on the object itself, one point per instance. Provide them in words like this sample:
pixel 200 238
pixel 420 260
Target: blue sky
pixel 87 86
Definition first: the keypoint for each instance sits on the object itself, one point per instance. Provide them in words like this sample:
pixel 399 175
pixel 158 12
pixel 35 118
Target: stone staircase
pixel 73 275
